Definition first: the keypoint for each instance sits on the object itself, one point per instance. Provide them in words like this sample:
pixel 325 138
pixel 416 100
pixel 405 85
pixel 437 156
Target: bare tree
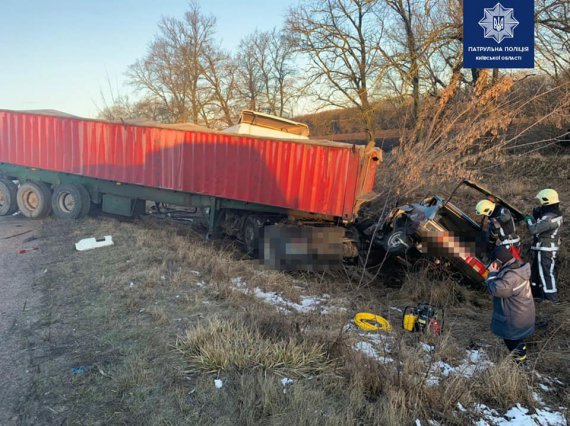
pixel 340 40
pixel 249 87
pixel 123 109
pixel 219 70
pixel 552 18
pixel 267 74
pixel 173 68
pixel 410 58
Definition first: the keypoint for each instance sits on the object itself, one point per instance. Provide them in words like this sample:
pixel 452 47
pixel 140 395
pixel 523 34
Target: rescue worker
pixel 513 306
pixel 501 230
pixel 544 225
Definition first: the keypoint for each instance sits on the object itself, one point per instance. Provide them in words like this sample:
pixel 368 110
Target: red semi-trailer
pixel 65 164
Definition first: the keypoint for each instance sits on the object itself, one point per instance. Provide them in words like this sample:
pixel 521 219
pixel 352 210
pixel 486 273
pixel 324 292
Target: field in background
pixel 166 328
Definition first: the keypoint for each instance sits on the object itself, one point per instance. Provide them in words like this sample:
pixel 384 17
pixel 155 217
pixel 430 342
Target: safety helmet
pixel 548 197
pixel 485 208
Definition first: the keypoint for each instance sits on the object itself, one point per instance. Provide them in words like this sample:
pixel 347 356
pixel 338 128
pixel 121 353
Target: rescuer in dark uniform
pixel 501 230
pixel 544 225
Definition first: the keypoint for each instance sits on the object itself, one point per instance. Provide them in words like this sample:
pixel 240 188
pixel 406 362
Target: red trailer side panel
pixel 312 176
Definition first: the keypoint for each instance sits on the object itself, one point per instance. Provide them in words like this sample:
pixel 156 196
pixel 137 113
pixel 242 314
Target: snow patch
pixel 544 387
pixel 519 416
pixel 308 303
pixel 536 396
pixel 367 349
pixel 476 362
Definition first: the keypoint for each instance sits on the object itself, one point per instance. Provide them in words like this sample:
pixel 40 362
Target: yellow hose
pixel 361 319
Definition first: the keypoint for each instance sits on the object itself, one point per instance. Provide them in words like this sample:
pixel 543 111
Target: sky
pixel 60 54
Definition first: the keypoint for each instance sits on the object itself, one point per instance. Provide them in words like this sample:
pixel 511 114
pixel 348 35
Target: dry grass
pixel 504 385
pixel 224 345
pixel 445 291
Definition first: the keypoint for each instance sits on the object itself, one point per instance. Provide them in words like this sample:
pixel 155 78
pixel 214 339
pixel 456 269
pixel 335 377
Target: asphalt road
pixel 18 300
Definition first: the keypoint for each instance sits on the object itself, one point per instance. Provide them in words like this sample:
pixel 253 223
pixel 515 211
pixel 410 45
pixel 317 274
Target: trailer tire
pixel 85 201
pixel 70 201
pixel 8 197
pixel 34 200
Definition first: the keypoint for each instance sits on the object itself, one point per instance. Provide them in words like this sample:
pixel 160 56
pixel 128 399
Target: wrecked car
pixel 437 228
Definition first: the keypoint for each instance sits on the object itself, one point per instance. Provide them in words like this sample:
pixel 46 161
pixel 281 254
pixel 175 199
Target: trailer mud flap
pixel 302 248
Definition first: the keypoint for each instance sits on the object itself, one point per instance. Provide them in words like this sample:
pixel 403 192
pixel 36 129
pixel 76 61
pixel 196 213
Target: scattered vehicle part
pixel 372 322
pixel 93 243
pixel 19 234
pixel 82 369
pixel 25 251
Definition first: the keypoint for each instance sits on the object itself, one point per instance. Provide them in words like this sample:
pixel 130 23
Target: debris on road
pixel 17 235
pixel 93 243
pixel 81 370
pixel 24 251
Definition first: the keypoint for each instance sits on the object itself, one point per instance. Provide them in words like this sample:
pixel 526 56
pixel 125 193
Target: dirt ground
pixel 19 301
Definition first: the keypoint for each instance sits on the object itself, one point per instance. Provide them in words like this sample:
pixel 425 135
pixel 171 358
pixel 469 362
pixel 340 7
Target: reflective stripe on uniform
pixel 552 278
pixel 540 271
pixel 520 286
pixel 509 242
pixel 539 248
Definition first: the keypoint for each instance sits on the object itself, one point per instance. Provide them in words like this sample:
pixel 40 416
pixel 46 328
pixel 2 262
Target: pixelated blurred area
pixel 446 244
pixel 307 248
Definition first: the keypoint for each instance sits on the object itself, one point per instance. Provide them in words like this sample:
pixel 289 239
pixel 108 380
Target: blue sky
pixel 59 54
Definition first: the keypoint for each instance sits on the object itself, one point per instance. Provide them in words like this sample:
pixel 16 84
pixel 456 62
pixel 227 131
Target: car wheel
pixel 397 241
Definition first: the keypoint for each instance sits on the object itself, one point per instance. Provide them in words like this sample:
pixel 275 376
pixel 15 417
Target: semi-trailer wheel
pixel 85 201
pixel 8 203
pixel 34 199
pixel 70 201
